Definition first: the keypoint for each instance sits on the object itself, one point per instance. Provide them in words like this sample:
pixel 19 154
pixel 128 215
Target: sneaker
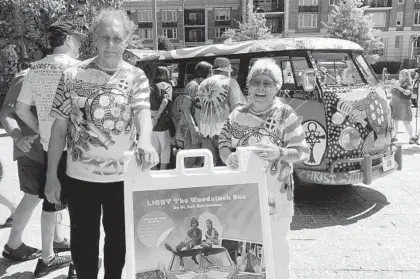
pixel 72 270
pixel 394 139
pixel 62 246
pixel 42 269
pixel 21 254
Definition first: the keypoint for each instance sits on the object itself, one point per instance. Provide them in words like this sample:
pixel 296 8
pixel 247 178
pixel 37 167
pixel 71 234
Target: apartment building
pixel 185 23
pixel 197 22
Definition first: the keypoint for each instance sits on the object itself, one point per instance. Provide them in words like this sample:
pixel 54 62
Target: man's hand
pixel 146 157
pixel 53 189
pixel 154 121
pixel 25 142
pixel 232 161
pixel 195 135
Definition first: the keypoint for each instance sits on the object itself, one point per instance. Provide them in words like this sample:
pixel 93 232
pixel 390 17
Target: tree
pixel 135 42
pixel 25 22
pixel 253 27
pixel 351 23
pixel 164 43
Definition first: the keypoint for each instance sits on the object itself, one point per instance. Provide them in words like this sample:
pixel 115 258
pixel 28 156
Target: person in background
pixel 160 98
pixel 38 89
pixel 219 95
pixel 281 144
pixel 416 89
pixel 99 107
pixel 188 134
pixel 401 104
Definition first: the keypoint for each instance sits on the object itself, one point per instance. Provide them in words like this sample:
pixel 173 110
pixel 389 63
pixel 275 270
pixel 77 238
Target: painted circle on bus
pixel 153 228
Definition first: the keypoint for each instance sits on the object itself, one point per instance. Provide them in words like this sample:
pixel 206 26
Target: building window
pixel 170 33
pixel 400 1
pixel 379 19
pixel 333 2
pixel 400 16
pixel 169 16
pixel 145 16
pixel 273 25
pixel 220 31
pixel 398 41
pixel 222 14
pixel 308 20
pixel 308 2
pixel 416 18
pixel 145 33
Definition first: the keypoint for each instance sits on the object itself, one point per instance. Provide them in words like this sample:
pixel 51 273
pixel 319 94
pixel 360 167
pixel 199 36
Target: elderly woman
pixel 99 106
pixel 275 131
pixel 401 104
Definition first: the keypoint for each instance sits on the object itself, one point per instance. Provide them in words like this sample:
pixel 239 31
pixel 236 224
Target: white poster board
pixel 164 241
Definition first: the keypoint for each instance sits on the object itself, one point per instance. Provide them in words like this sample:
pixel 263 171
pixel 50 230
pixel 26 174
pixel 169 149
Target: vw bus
pixel 344 109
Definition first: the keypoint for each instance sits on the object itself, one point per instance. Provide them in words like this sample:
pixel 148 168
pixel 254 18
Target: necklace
pixel 261 112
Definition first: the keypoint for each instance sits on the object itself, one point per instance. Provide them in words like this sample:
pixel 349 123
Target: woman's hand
pixel 232 161
pixel 267 152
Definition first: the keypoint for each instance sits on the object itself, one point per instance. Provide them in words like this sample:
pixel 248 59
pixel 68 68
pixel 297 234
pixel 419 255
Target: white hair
pixel 119 15
pixel 266 66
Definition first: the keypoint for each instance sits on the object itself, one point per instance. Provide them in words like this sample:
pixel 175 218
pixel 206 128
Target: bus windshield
pixel 337 69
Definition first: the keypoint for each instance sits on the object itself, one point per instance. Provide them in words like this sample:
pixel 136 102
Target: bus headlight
pixel 350 138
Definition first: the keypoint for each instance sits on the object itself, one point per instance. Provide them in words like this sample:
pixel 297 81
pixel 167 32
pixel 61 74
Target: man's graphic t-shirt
pixel 39 89
pixel 218 95
pixel 100 105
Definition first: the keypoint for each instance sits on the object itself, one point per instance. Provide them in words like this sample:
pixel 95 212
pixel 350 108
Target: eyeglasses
pixel 264 83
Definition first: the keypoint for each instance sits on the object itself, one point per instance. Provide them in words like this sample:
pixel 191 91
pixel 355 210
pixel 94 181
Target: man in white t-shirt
pixel 39 89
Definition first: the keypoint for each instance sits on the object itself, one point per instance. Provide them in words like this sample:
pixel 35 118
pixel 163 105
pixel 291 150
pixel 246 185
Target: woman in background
pixel 401 104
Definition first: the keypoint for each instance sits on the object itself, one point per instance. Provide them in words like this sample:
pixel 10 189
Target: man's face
pixel 111 40
pixel 194 225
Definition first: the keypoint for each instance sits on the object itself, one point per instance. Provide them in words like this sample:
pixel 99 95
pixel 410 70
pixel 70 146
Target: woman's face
pixel 208 224
pixel 262 90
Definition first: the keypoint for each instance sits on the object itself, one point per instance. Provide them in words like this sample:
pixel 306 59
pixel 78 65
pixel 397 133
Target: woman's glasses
pixel 264 83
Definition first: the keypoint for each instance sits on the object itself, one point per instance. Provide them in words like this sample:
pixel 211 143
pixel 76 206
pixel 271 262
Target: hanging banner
pixel 198 223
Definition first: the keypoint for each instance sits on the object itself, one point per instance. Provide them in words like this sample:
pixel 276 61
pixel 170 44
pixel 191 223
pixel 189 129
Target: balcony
pixel 194 17
pixel 267 6
pixel 308 9
pixel 378 3
pixel 417 5
pixel 169 24
pixel 195 35
pixel 145 24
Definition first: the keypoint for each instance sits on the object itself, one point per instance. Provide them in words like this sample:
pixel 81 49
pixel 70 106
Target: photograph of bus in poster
pixel 189 233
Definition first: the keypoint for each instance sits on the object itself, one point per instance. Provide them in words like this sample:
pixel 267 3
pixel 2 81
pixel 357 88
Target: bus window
pixel 337 69
pixel 366 70
pixel 299 64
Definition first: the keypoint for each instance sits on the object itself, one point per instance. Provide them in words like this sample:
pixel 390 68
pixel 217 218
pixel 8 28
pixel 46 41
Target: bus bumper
pixel 390 162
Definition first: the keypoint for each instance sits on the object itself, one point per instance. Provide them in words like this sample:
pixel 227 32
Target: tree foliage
pixel 253 27
pixel 164 43
pixel 24 23
pixel 351 23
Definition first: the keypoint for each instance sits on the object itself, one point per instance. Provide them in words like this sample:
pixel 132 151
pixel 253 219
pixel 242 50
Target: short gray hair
pixel 111 13
pixel 266 66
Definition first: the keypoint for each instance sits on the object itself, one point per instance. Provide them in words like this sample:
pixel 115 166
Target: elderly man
pixel 98 106
pixel 218 95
